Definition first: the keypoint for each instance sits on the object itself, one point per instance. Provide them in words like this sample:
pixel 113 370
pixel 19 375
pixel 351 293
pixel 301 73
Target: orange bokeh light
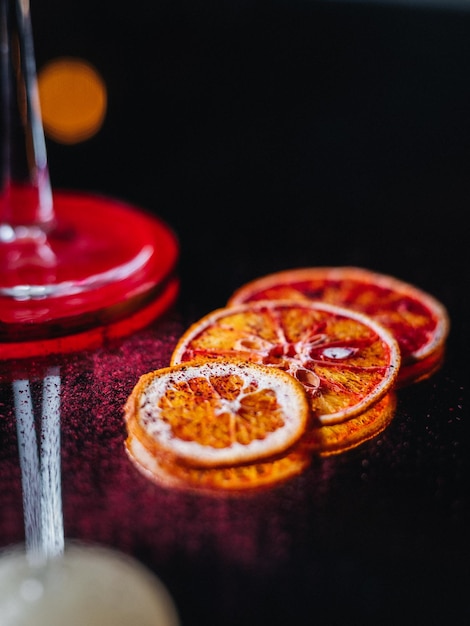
pixel 73 100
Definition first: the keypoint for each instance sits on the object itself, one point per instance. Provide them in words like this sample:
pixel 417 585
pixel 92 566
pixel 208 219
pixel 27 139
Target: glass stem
pixel 25 194
pixel 30 470
pixel 52 525
pixel 40 468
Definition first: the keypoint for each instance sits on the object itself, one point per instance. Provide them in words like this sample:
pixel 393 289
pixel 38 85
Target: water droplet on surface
pixel 337 353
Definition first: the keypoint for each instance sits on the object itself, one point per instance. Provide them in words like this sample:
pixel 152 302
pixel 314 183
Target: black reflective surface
pixel 270 136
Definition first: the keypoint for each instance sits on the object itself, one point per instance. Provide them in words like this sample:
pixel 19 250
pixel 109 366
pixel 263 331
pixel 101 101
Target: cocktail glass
pixel 75 269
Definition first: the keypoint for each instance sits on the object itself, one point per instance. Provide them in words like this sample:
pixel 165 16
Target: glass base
pixel 89 584
pixel 102 263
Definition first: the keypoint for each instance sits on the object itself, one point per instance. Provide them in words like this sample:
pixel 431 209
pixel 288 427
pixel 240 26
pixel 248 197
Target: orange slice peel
pixel 338 438
pixel 218 480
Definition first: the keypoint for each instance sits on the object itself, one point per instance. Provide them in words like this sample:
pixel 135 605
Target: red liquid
pixel 102 262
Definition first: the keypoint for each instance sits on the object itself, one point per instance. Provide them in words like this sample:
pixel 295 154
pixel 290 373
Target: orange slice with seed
pixel 217 413
pixel 345 360
pixel 418 321
pixel 218 480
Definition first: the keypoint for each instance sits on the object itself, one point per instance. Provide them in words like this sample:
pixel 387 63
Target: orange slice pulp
pixel 418 321
pixel 217 413
pixel 345 361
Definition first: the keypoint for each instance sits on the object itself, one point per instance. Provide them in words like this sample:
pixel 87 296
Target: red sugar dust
pixel 105 497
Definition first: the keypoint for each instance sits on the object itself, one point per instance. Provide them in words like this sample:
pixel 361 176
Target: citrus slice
pixel 422 369
pixel 329 440
pixel 217 413
pixel 218 480
pixel 345 360
pixel 418 321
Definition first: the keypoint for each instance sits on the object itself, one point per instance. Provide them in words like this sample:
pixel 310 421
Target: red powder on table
pixel 107 500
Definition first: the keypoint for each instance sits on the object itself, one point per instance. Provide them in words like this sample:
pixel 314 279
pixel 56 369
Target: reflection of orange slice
pixel 328 440
pixel 217 413
pixel 215 480
pixel 418 321
pixel 345 360
pixel 322 441
pixel 422 369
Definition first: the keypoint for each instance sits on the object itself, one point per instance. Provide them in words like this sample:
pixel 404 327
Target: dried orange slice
pixel 219 480
pixel 418 321
pixel 345 360
pixel 322 441
pixel 329 440
pixel 217 413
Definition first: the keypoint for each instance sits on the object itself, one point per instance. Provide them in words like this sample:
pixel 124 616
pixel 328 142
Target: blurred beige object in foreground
pixel 88 585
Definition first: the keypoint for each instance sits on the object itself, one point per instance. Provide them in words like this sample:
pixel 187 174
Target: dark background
pixel 276 134
pixel 279 134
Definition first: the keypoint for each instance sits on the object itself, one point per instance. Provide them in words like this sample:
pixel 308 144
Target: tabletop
pixel 273 137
